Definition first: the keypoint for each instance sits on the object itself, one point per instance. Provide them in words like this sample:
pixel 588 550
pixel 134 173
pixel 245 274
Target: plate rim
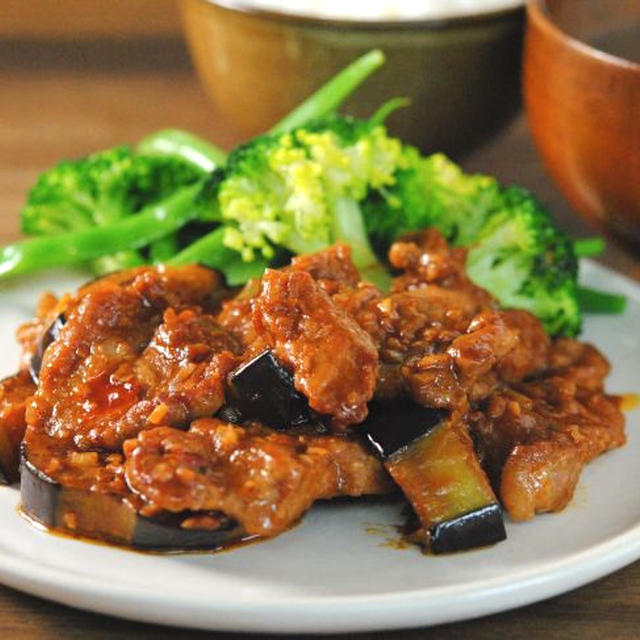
pixel 355 613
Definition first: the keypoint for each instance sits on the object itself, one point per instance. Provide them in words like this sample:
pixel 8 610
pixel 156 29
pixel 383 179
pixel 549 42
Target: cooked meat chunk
pixel 235 315
pixel 531 351
pixel 540 477
pixel 432 381
pixel 334 271
pixel 415 329
pixel 449 352
pixel 498 346
pixel 427 259
pixel 536 436
pixel 579 362
pixel 15 393
pixel 133 352
pixel 66 464
pixel 333 360
pixel 184 367
pixel 331 265
pixel 265 480
pixel 449 343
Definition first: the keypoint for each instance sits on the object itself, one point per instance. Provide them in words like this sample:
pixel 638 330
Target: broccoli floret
pixel 302 190
pixel 526 262
pixel 100 189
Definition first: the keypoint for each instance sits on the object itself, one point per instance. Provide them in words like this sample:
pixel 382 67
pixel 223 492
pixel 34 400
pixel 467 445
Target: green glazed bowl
pixel 462 74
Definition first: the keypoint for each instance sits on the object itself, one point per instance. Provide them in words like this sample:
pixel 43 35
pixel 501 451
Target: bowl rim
pixel 538 11
pixel 515 8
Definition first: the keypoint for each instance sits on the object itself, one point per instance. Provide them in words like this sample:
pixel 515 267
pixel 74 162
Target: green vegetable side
pixel 314 179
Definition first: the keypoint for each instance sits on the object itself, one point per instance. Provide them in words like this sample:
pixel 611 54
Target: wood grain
pixel 78 19
pixel 57 104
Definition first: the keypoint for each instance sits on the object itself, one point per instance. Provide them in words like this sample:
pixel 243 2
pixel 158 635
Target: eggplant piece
pixel 51 334
pixel 264 391
pixel 433 461
pixel 15 392
pixel 479 528
pixel 108 517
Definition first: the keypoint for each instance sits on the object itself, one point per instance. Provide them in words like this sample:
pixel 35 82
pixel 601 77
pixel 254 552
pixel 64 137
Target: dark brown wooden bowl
pixel 583 105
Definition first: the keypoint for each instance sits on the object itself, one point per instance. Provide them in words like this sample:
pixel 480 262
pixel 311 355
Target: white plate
pixel 334 573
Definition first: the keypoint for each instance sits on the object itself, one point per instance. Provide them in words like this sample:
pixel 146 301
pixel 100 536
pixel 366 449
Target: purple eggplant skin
pixel 49 336
pixel 263 390
pixel 409 421
pixel 479 528
pixel 109 518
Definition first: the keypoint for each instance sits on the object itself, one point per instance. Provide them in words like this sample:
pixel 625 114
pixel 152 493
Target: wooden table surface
pixel 63 100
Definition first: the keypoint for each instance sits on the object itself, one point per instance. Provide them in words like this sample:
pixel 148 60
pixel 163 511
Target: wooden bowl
pixel 462 74
pixel 583 105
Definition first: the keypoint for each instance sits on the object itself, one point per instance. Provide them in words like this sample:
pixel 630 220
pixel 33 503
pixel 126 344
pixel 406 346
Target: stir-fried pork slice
pixel 334 272
pixel 426 259
pixel 447 358
pixel 414 330
pixel 499 346
pixel 430 305
pixel 133 352
pixel 235 315
pixel 536 436
pixel 579 362
pixel 445 341
pixel 15 393
pixel 333 360
pixel 100 471
pixel 263 479
pixel 540 477
pixel 333 265
pixel 197 285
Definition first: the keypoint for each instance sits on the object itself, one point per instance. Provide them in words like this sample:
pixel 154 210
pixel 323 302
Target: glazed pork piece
pixel 535 436
pixel 133 351
pixel 263 479
pixel 334 361
pixel 15 393
pixel 133 387
pixel 442 339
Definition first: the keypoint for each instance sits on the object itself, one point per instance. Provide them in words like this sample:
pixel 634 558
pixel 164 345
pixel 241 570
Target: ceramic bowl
pixel 582 93
pixel 461 73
